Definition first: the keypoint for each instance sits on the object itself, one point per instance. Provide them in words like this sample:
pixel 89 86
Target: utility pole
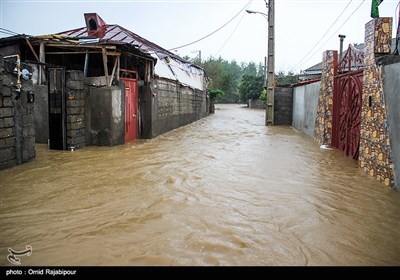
pixel 341 46
pixel 199 55
pixel 269 114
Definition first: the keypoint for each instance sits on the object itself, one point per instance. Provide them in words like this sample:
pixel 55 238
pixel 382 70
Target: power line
pixel 336 30
pixel 215 31
pixel 8 32
pixel 323 36
pixel 234 30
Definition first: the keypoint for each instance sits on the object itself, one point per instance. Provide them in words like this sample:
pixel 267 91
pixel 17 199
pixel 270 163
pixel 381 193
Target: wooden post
pixel 85 69
pixel 113 70
pixel 118 67
pixel 105 65
pixel 42 59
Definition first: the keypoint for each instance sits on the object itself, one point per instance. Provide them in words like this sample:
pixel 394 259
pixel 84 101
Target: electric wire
pixel 234 30
pixel 8 32
pixel 323 36
pixel 212 33
pixel 336 31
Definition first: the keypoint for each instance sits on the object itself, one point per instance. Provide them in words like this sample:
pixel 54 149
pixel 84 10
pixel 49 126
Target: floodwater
pixel 225 190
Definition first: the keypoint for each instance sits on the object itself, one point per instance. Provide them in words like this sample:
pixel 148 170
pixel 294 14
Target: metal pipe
pixel 341 46
pixel 18 64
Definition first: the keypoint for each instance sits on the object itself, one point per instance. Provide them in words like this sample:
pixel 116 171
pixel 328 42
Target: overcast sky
pixel 299 24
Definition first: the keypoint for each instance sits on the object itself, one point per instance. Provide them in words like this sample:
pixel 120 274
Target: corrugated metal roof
pixel 173 68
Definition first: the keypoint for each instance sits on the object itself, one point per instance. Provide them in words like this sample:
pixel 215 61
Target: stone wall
pixel 323 123
pixel 283 105
pixel 174 105
pixel 17 128
pixel 305 104
pixel 375 153
pixel 75 110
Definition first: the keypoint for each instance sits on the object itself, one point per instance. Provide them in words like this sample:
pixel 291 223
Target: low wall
pixel 305 104
pixel 257 104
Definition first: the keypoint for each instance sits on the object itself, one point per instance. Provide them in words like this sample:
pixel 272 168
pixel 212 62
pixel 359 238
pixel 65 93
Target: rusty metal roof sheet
pixel 168 65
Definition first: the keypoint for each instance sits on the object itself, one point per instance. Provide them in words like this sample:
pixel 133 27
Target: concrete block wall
pixel 17 127
pixel 257 104
pixel 75 109
pixel 283 105
pixel 173 105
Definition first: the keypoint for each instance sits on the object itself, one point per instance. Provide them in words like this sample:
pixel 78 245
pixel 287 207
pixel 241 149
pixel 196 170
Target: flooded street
pixel 225 190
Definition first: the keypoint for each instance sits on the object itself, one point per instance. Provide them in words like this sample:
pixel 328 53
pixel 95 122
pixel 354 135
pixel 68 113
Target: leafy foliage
pixel 225 76
pixel 215 93
pixel 237 82
pixel 263 96
pixel 250 87
pixel 286 79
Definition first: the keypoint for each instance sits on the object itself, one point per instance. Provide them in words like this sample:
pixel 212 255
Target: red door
pixel 347 103
pixel 131 118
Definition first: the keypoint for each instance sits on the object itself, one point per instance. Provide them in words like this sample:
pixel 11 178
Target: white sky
pixel 299 25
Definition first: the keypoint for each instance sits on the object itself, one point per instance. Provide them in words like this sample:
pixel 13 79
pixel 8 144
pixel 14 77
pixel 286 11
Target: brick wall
pixel 17 128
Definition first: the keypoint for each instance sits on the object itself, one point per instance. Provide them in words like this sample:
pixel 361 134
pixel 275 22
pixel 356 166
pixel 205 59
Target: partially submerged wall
pixel 375 153
pixel 257 104
pixel 305 104
pixel 283 104
pixel 41 114
pixel 17 127
pixel 174 105
pixel 323 123
pixel 75 110
pixel 105 121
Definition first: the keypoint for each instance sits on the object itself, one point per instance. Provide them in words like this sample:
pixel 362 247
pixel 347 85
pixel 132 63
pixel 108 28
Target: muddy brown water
pixel 225 190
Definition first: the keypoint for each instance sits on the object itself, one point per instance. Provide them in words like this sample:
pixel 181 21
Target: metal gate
pixel 131 104
pixel 57 130
pixel 347 103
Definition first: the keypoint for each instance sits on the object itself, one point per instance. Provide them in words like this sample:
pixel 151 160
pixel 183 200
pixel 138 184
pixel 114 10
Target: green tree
pixel 215 93
pixel 250 87
pixel 225 76
pixel 286 79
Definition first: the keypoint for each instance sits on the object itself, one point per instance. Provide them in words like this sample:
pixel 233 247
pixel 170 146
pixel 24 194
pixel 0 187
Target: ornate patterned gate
pixel 347 103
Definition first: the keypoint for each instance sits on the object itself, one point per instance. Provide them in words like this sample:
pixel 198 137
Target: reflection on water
pixel 225 190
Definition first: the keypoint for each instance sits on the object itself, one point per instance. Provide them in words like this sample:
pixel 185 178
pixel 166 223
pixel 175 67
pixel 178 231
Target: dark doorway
pixel 57 137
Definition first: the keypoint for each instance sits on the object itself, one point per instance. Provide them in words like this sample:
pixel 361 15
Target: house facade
pixel 101 84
